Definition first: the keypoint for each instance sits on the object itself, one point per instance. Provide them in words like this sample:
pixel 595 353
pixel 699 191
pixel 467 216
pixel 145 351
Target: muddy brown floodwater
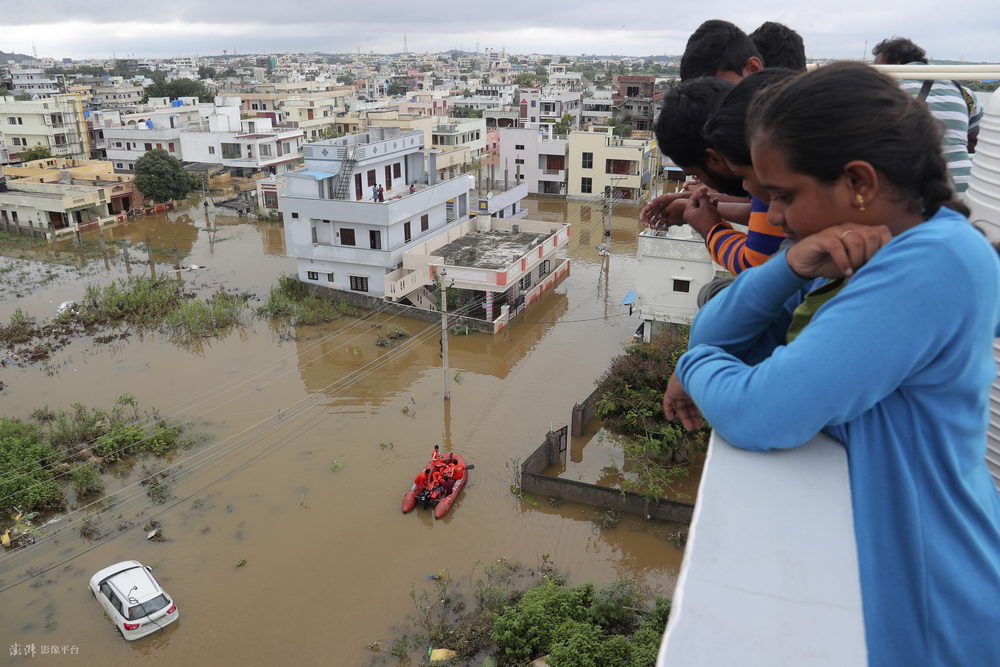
pixel 330 559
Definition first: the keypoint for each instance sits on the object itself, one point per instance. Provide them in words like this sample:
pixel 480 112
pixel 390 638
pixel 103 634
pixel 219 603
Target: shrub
pixel 198 319
pixel 137 300
pixel 616 608
pixel 581 644
pixel 291 298
pixel 526 629
pixel 632 393
pixel 87 480
pixel 123 441
pixel 25 482
pixel 21 329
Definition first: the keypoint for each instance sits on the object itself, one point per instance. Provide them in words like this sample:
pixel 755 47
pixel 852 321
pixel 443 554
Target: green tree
pixel 180 88
pixel 22 97
pixel 328 132
pixel 161 177
pixel 396 88
pixel 36 152
pixel 229 72
pixel 563 125
pixel 121 68
pixel 527 80
pixel 346 79
pixel 205 72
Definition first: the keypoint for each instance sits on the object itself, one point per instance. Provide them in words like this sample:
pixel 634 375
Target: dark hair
pixel 821 129
pixel 716 46
pixel 779 46
pixel 899 51
pixel 427 470
pixel 681 122
pixel 726 130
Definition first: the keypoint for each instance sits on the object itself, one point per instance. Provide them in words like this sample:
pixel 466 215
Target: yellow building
pixel 599 161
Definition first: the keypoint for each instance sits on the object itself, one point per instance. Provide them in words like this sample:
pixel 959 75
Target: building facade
pixel 344 239
pixel 601 162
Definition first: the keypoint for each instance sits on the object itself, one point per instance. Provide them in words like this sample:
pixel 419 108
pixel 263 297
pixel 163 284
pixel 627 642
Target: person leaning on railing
pixel 876 327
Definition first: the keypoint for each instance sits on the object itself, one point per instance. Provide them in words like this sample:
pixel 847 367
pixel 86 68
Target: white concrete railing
pixel 770 572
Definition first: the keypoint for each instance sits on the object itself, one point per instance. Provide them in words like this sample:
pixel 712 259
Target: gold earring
pixel 861 201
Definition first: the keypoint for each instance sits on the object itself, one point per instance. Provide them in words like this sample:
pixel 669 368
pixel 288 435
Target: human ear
pixel 753 64
pixel 715 163
pixel 863 181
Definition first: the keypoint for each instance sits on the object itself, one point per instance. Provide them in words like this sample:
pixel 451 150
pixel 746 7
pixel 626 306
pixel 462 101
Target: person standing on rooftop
pixel 720 49
pixel 849 332
pixel 957 108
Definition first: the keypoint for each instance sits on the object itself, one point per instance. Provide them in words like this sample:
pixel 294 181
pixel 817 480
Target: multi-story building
pixel 635 100
pixel 430 103
pixel 535 158
pixel 547 106
pixel 118 94
pixel 56 123
pixel 32 82
pixel 468 132
pixel 244 147
pixel 598 108
pixel 561 77
pixel 601 162
pixel 312 115
pixel 344 239
pixel 54 195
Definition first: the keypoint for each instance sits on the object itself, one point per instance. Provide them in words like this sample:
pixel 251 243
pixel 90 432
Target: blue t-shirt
pixel 898 367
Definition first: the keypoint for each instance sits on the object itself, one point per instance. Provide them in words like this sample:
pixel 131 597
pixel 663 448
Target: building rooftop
pixel 495 249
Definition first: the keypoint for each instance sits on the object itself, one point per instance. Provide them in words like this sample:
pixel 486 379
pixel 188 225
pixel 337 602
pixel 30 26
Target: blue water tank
pixel 149 124
pixel 176 103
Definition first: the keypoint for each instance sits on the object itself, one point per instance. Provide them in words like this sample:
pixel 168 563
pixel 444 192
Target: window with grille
pixel 359 283
pixel 683 286
pixel 587 161
pixel 312 275
pixel 346 236
pixel 586 185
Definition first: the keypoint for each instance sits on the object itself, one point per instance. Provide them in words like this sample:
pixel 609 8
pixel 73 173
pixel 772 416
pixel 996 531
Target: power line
pixel 82 446
pixel 297 408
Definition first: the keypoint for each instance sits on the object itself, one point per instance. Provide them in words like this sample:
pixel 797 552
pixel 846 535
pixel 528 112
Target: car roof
pixel 106 572
pixel 132 579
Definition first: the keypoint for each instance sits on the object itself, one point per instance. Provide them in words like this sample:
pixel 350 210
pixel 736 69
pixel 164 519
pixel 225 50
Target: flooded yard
pixel 286 523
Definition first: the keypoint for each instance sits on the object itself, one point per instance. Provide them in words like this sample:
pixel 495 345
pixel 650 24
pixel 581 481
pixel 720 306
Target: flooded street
pixel 314 438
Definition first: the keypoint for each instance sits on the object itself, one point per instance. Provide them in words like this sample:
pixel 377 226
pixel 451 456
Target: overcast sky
pixel 837 28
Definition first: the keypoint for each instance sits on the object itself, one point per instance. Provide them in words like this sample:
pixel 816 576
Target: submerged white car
pixel 133 599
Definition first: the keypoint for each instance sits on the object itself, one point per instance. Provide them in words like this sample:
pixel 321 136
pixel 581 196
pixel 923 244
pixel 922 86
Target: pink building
pixel 424 104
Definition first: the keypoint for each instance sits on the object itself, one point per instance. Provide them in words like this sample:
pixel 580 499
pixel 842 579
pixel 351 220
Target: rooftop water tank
pixel 983 195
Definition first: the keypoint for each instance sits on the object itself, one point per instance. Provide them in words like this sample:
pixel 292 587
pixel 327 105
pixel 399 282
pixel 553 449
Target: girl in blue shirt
pixel 897 365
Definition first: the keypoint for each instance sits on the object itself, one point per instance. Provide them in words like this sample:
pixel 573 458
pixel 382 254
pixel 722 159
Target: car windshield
pixel 148 607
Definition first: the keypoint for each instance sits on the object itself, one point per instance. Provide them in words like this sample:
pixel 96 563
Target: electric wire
pixel 377 364
pixel 72 454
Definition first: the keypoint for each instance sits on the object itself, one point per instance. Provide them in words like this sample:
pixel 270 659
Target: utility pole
pixel 444 335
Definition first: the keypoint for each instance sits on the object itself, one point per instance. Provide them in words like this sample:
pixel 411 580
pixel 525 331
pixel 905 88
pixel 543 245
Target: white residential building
pixel 541 106
pixel 342 238
pixel 561 77
pixel 536 158
pixel 598 108
pixel 206 133
pixel 33 82
pixel 56 123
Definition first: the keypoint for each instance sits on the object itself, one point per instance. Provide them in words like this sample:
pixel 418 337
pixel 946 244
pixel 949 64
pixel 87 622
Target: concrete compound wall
pixel 583 413
pixel 375 303
pixel 535 482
